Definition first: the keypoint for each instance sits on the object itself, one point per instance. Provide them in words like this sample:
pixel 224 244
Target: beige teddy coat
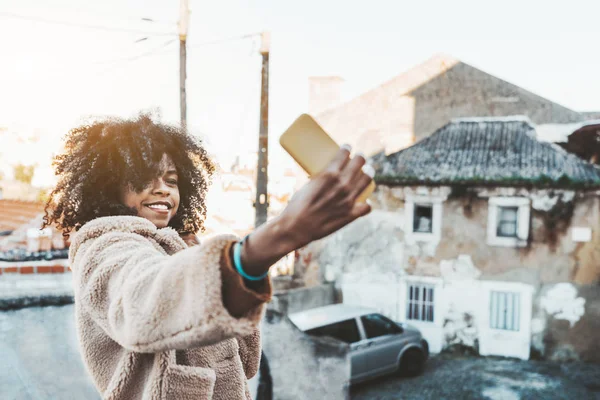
pixel 157 320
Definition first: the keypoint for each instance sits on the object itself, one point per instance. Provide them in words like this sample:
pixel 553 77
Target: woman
pixel 158 316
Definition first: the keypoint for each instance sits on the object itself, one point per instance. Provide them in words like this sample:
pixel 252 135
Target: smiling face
pixel 159 200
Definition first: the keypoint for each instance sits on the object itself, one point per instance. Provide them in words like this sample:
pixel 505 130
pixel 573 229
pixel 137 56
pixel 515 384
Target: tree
pixel 24 173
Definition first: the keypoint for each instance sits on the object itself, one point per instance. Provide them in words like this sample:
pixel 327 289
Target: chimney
pixel 325 92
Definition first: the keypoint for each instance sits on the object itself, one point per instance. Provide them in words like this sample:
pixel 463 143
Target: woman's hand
pixel 326 204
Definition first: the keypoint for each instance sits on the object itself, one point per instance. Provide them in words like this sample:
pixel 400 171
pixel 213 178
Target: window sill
pixel 419 323
pixel 423 237
pixel 506 242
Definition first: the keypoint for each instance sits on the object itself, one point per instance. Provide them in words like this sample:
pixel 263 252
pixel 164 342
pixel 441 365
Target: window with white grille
pixel 505 310
pixel 420 302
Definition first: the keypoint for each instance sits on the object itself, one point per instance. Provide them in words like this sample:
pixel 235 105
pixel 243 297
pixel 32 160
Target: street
pixel 39 356
pixel 463 377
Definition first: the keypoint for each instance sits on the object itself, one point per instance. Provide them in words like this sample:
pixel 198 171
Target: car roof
pixel 322 316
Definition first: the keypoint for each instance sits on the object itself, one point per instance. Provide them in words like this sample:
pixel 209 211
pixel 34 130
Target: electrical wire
pixel 137 57
pixel 120 16
pixel 224 40
pixel 85 26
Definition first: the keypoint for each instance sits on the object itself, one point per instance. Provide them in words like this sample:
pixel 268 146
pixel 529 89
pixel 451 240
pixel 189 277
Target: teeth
pixel 158 207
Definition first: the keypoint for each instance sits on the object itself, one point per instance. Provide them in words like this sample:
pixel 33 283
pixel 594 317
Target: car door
pixel 384 341
pixel 359 352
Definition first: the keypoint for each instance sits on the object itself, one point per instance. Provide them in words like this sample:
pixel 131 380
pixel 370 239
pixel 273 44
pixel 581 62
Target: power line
pixel 224 40
pixel 80 25
pixel 157 51
pixel 137 57
pixel 120 16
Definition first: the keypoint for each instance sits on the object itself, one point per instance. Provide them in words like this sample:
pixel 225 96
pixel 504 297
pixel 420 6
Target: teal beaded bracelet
pixel 237 261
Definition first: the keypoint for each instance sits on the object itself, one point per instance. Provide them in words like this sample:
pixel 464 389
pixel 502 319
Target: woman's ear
pixel 190 239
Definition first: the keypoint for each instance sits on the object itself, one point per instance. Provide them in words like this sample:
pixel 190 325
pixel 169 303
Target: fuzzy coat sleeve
pixel 149 302
pixel 250 349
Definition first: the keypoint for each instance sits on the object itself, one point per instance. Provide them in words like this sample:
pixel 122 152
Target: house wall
pixel 373 260
pixel 376 121
pixel 305 298
pixel 396 115
pixel 550 256
pixel 566 322
pixel 464 91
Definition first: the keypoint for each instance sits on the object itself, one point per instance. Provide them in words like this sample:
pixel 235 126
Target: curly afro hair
pixel 102 158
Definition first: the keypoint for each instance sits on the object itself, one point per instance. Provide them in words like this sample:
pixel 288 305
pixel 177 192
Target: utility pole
pixel 262 200
pixel 184 21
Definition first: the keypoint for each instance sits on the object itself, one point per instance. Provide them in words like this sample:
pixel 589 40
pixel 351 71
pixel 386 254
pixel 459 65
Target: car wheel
pixel 412 363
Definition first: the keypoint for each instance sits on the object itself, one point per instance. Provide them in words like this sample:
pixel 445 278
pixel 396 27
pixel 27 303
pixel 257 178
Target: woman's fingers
pixel 341 159
pixel 353 169
pixel 363 180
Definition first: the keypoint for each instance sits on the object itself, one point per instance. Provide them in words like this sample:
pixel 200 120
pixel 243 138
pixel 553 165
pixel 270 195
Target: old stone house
pixel 411 106
pixel 481 236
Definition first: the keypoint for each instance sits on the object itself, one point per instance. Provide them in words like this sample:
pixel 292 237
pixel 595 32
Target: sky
pixel 53 76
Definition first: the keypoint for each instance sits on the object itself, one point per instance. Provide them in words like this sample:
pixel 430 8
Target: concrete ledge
pixel 16 303
pixel 302 366
pixel 19 291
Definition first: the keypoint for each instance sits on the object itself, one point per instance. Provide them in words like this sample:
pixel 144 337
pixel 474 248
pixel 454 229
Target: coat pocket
pixel 188 383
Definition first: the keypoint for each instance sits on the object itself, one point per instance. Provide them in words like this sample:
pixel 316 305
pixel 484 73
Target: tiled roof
pixel 16 213
pixel 500 151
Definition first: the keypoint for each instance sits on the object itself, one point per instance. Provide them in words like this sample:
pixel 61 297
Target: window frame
pixel 410 204
pixel 523 205
pixel 364 328
pixel 420 302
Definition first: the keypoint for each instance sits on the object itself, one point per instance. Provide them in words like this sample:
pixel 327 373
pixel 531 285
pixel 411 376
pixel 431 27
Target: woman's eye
pixel 172 181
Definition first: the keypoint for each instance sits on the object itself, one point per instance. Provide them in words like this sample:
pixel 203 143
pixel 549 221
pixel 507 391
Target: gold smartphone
pixel 313 149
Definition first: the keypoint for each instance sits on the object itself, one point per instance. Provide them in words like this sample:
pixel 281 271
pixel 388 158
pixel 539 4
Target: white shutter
pixel 409 214
pixel 523 222
pixel 492 222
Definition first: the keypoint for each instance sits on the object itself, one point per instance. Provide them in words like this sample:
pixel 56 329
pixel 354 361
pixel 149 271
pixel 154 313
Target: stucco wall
pixel 300 299
pixel 566 322
pixel 550 256
pixel 303 367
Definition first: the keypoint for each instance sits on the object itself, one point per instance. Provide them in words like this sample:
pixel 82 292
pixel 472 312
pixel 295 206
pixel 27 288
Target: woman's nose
pixel 160 187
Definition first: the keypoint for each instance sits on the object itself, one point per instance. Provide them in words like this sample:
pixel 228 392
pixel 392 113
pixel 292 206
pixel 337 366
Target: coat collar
pixel 167 237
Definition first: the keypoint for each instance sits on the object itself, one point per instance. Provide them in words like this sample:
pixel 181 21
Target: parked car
pixel 378 345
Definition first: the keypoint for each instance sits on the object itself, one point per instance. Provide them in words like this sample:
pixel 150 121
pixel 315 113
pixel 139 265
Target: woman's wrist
pixel 268 244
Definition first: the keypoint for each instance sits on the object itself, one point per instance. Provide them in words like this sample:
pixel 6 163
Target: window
pixel 507 221
pixel 420 302
pixel 346 331
pixel 505 310
pixel 377 325
pixel 423 219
